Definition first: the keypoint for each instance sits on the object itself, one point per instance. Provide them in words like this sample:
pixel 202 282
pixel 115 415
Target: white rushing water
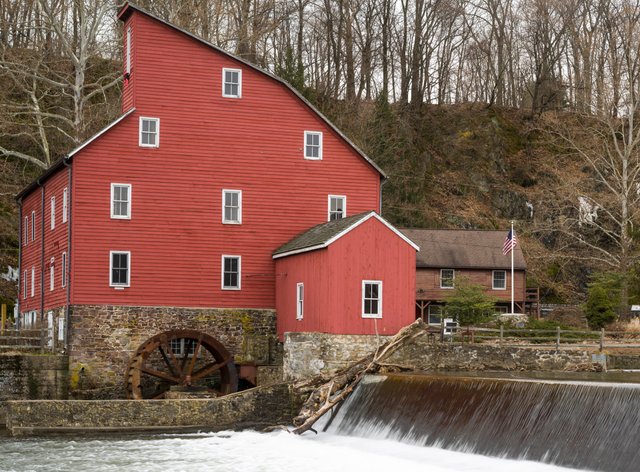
pixel 245 451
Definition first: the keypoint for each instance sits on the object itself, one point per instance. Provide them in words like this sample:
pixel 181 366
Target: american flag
pixel 509 242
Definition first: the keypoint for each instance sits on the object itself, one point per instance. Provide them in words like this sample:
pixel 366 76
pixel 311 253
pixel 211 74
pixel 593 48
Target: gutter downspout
pixel 42 271
pixel 383 181
pixel 20 269
pixel 67 314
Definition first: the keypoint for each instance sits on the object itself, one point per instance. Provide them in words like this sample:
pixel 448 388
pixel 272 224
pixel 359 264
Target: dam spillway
pixel 585 425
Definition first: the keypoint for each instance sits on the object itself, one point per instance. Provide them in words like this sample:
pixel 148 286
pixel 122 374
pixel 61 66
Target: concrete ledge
pixel 255 408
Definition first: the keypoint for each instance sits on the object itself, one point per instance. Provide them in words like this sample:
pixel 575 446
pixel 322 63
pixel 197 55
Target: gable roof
pixel 324 234
pixel 125 11
pixel 463 249
pixel 67 157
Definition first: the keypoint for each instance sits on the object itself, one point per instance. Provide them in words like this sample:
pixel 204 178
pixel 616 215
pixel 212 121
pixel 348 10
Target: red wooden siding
pixel 207 143
pixel 31 252
pixel 333 278
pixel 55 243
pixel 428 284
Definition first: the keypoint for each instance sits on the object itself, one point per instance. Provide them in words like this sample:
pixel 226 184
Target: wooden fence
pixel 536 337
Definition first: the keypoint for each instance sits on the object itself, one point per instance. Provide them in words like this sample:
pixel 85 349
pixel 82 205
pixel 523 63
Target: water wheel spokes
pixel 189 359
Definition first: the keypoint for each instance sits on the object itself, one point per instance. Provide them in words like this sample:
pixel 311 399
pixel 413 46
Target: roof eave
pixel 455 267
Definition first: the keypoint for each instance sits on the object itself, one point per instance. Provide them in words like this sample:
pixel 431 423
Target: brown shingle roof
pixel 322 235
pixel 471 249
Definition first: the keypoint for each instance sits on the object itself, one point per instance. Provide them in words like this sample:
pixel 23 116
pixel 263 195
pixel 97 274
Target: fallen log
pixel 328 391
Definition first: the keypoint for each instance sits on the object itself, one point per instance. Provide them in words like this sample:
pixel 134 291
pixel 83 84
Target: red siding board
pixel 333 278
pixel 55 243
pixel 207 143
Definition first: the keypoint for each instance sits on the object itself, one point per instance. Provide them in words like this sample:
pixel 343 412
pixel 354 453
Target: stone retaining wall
pixel 309 354
pixel 28 376
pixel 423 355
pixel 256 408
pixel 103 338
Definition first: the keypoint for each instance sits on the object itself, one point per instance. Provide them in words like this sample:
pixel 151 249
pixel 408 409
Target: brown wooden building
pixel 447 256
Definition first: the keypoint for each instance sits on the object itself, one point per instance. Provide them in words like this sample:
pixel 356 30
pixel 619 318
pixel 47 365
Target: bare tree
pixel 53 100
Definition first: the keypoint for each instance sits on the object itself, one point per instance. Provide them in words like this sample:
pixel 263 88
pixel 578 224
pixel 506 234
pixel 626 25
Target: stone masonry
pixel 309 354
pixel 103 338
pixel 256 408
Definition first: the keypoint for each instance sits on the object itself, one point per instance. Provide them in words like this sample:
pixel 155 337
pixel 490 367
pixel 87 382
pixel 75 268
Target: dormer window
pixel 231 83
pixel 149 132
pixel 313 145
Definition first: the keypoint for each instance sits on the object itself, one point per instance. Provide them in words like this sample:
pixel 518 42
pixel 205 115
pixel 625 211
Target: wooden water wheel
pixel 186 358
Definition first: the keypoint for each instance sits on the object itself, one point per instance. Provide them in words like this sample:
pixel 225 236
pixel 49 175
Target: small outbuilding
pixel 354 275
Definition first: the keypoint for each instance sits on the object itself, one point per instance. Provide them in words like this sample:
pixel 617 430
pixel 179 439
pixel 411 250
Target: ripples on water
pixel 243 451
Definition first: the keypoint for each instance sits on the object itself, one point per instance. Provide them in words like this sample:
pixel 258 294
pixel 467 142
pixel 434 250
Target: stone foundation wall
pixel 256 408
pixel 309 354
pixel 103 338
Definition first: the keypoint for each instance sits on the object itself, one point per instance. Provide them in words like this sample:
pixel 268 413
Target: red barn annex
pixel 170 216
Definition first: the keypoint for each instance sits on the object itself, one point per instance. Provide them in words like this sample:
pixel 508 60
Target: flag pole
pixel 512 280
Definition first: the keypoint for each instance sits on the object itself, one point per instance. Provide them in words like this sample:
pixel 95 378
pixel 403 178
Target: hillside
pixel 454 166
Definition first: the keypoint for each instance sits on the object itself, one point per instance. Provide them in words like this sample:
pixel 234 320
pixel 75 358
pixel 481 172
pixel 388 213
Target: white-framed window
pixel 33 281
pixel 52 274
pixel 232 206
pixel 65 196
pixel 299 301
pixel 149 132
pixel 231 83
pixel 119 268
pixel 499 280
pixel 121 201
pixel 33 226
pixel 25 281
pixel 337 207
pixel 26 230
pixel 182 346
pixel 447 278
pixel 53 212
pixel 313 145
pixel 128 69
pixel 63 269
pixel 231 272
pixel 372 299
pixel 435 315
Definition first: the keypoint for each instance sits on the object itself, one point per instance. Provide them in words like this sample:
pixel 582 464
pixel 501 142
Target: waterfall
pixel 586 425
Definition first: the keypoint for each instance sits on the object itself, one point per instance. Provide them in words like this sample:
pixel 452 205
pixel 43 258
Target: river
pixel 245 451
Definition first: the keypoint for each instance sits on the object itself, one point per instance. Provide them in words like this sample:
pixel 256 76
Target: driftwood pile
pixel 325 392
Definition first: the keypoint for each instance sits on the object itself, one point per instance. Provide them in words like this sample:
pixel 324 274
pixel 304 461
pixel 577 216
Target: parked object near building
pixel 447 256
pixel 168 218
